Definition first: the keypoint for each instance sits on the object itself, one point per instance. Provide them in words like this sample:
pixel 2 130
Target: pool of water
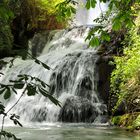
pixel 71 132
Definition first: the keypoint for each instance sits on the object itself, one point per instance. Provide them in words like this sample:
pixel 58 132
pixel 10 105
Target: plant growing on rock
pixel 125 78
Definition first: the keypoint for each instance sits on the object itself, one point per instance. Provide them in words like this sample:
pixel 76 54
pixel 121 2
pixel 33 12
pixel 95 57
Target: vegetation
pixel 31 86
pixel 125 80
pixel 120 16
pixel 130 121
pixel 20 19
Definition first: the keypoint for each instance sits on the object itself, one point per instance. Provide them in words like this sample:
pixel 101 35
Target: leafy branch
pixel 119 15
pixel 66 9
pixel 31 86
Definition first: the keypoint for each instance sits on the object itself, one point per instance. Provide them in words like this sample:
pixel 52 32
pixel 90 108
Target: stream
pixel 73 81
pixel 71 131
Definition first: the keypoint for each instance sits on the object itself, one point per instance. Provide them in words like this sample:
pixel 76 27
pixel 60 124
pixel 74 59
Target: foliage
pixel 116 120
pixel 8 135
pixel 65 10
pixel 35 12
pixel 46 5
pixel 43 14
pixel 136 123
pixel 20 19
pixel 120 15
pixel 125 78
pixel 130 121
pixel 6 38
pixel 6 14
pixel 31 86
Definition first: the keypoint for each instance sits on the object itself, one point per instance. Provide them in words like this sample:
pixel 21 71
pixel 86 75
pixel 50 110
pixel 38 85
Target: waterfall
pixel 86 17
pixel 73 80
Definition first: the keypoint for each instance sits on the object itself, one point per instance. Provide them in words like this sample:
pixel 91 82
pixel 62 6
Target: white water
pixel 71 132
pixel 86 17
pixel 73 81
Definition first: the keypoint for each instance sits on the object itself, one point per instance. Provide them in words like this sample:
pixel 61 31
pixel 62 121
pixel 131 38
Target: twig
pixel 16 102
pixel 3 119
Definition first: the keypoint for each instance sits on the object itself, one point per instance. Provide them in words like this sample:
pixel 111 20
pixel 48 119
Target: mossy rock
pixel 6 40
pixel 116 120
pixel 129 121
pixel 136 122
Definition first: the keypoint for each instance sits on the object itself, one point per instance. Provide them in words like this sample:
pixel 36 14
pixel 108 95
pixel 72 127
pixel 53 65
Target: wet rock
pixel 78 110
pixel 104 119
pixel 104 72
pixel 86 83
pixel 40 115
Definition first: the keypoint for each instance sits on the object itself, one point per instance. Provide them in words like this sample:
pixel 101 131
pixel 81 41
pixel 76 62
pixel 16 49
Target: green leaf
pixel 37 61
pixel 7 94
pixel 73 10
pixel 21 79
pixel 88 4
pixel 14 90
pixel 2 91
pixel 1 73
pixel 14 81
pixel 93 3
pixel 105 36
pixel 68 12
pixel 45 66
pixel 18 86
pixel 88 37
pixel 2 108
pixel 103 1
pixel 43 84
pixel 17 122
pixel 31 90
pixel 44 93
pixel 116 25
pixel 94 42
pixel 20 75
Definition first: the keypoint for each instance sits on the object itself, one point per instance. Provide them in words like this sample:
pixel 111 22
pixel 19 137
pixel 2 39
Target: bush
pixel 125 79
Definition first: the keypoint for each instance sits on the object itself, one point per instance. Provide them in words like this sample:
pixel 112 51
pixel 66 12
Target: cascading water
pixel 73 80
pixel 86 17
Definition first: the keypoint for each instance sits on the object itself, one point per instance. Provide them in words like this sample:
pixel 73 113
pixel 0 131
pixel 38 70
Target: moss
pixel 6 40
pixel 116 120
pixel 129 121
pixel 136 123
pixel 125 79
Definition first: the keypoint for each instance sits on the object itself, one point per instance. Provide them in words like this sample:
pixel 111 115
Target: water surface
pixel 71 132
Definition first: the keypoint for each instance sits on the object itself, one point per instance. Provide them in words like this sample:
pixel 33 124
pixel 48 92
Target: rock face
pixel 79 79
pixel 38 42
pixel 76 75
pixel 103 86
pixel 79 110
